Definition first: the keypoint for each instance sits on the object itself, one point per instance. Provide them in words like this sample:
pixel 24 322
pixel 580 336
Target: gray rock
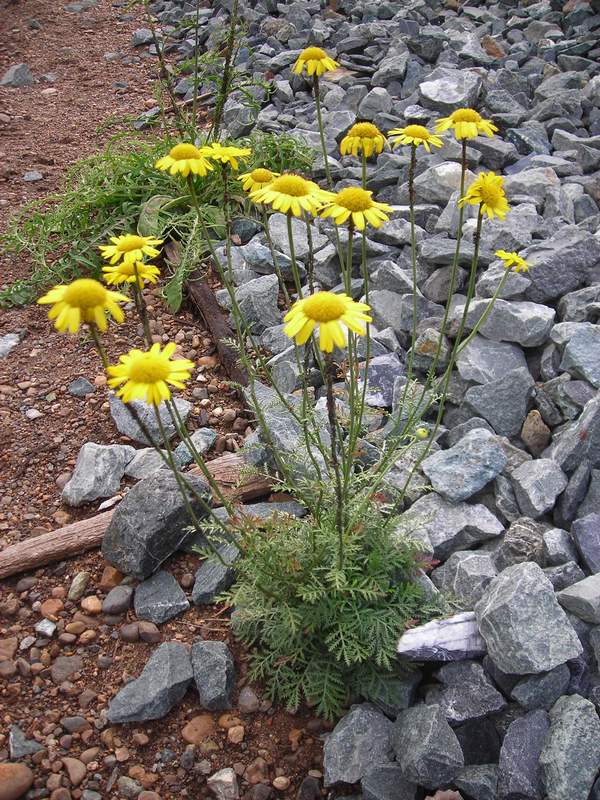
pixel 522 623
pixel 564 575
pixel 377 101
pixel 260 259
pixel 561 264
pixel 571 753
pixel 426 747
pixel 17 76
pixel 391 310
pixel 159 598
pixel 558 547
pixel 438 183
pixel 214 577
pixel 464 576
pixel 579 440
pixel 146 462
pixel 141 36
pixel 519 774
pixel 151 523
pixel 387 783
pixel 464 469
pixel 452 639
pixel 224 784
pixel 81 387
pixel 9 341
pixel 127 425
pixel 583 599
pixel 97 473
pixel 479 781
pixel 381 376
pixel 591 500
pixel 257 302
pixel 581 357
pixel 503 402
pixel 118 600
pixel 543 690
pixel 359 743
pixel 484 360
pixel 448 527
pixel 447 89
pixel 202 440
pixel 586 535
pixel 527 324
pixel 32 176
pixel 466 693
pixel 161 685
pixel 19 746
pixel 537 484
pixel 214 674
pixel 279 235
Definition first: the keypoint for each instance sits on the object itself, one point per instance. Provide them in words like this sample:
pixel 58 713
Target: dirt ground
pixel 94 75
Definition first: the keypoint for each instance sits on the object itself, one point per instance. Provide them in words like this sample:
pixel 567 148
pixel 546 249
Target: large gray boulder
pixel 98 472
pixel 360 742
pixel 161 685
pixel 151 523
pixel 525 629
pixel 561 264
pixel 214 674
pixel 571 754
pixel 484 360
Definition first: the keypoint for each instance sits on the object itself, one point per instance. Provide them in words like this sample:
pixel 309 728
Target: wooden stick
pixel 87 534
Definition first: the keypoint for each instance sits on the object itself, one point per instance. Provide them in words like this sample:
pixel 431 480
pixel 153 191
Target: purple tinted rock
pixel 586 535
pixel 519 776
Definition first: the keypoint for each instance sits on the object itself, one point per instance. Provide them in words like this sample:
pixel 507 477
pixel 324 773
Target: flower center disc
pixel 313 54
pixel 293 185
pixel 354 199
pixel 85 293
pixel 416 131
pixel 466 115
pixel 490 194
pixel 324 307
pixel 130 242
pixel 147 368
pixel 261 175
pixel 182 151
pixel 364 130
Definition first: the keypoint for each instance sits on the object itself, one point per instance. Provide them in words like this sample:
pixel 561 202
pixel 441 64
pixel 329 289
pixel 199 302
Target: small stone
pixel 281 783
pixel 464 576
pixel 583 599
pixel 15 780
pixel 118 600
pixel 537 484
pixel 452 639
pixel 97 473
pixel 160 598
pixel 19 746
pixel 91 605
pixel 235 734
pixel 248 702
pixel 64 667
pixel 535 433
pixel 78 586
pixel 198 729
pixel 223 784
pixel 214 674
pixel 81 387
pixel 76 770
pixel 585 533
pixel 17 76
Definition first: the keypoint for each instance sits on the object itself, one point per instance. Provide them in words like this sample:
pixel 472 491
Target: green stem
pixel 225 85
pixel 140 304
pixel 322 131
pixel 339 495
pixel 295 273
pixel 282 286
pixel 94 333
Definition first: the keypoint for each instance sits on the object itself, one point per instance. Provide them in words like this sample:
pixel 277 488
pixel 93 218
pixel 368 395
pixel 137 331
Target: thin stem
pixel 295 272
pixel 364 170
pixel 339 495
pixel 311 256
pixel 322 131
pixel 94 333
pixel 196 62
pixel 141 305
pixel 224 88
pixel 267 230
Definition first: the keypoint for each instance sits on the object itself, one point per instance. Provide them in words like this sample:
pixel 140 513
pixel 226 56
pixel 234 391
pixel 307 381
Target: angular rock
pixel 359 743
pixel 586 535
pixel 466 694
pixel 464 576
pixel 17 76
pixel 202 440
pixel 454 639
pixel 19 746
pixel 564 575
pixel 426 747
pixel 527 324
pixel 525 629
pixel 387 783
pixel 523 541
pixel 151 523
pixel 537 484
pixel 98 472
pixel 224 785
pixel 571 753
pixel 519 773
pixel 503 402
pixel 145 463
pixel 581 357
pixel 543 690
pixel 159 598
pixel 484 360
pixel 464 469
pixel 558 547
pixel 583 599
pixel 214 577
pixel 128 426
pixel 579 440
pixel 561 264
pixel 447 89
pixel 479 781
pixel 214 674
pixel 257 302
pixel 161 685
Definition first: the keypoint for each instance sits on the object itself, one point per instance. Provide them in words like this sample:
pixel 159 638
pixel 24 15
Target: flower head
pixel 130 247
pixel 415 135
pixel 329 312
pixel 184 159
pixel 466 123
pixel 83 300
pixel 146 375
pixel 257 179
pixel 422 433
pixel 363 137
pixel 291 194
pixel 356 204
pixel 227 154
pixel 512 260
pixel 487 192
pixel 316 62
pixel 125 272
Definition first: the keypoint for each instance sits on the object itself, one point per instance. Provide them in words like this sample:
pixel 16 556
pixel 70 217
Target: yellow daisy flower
pixel 130 248
pixel 125 273
pixel 291 194
pixel 257 179
pixel 363 137
pixel 415 135
pixel 227 154
pixel 466 123
pixel 184 159
pixel 83 300
pixel 316 62
pixel 328 312
pixel 513 260
pixel 359 205
pixel 145 375
pixel 487 192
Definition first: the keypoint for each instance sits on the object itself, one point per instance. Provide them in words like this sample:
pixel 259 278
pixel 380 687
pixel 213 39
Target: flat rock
pixel 519 774
pixel 159 598
pixel 583 599
pixel 528 324
pixel 214 674
pixel 453 639
pixel 98 472
pixel 537 484
pixel 359 743
pixel 525 629
pixel 161 685
pixel 484 360
pixel 127 425
pixel 466 693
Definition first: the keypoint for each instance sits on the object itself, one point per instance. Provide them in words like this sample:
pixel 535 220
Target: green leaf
pixel 149 223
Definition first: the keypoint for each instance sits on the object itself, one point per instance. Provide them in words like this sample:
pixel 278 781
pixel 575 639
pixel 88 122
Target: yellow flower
pixel 130 248
pixel 83 300
pixel 227 154
pixel 145 375
pixel 329 312
pixel 363 137
pixel 486 191
pixel 125 273
pixel 513 260
pixel 359 205
pixel 415 135
pixel 466 123
pixel 316 62
pixel 183 159
pixel 291 194
pixel 422 433
pixel 257 179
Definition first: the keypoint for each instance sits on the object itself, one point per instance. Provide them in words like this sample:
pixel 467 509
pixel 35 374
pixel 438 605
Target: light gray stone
pixel 561 264
pixel 98 472
pixel 447 89
pixel 503 402
pixel 583 599
pixel 464 576
pixel 214 674
pixel 360 742
pixel 17 76
pixel 224 784
pixel 145 462
pixel 581 357
pixel 127 425
pixel 537 484
pixel 558 547
pixel 484 360
pixel 452 639
pixel 527 324
pixel 202 440
pixel 578 440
